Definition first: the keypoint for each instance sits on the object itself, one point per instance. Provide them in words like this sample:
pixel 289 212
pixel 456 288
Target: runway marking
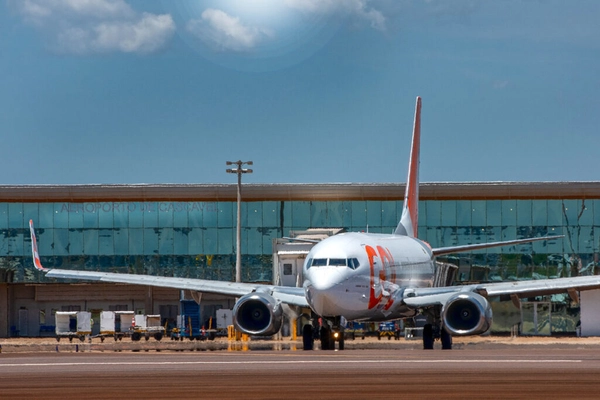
pixel 295 362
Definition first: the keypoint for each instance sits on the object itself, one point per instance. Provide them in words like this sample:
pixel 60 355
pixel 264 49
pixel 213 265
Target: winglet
pixel 409 224
pixel 34 249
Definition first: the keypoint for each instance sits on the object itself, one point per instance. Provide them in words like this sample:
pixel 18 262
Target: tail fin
pixel 409 222
pixel 34 249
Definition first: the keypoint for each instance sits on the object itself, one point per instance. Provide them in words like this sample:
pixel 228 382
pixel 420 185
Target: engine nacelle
pixel 257 314
pixel 467 314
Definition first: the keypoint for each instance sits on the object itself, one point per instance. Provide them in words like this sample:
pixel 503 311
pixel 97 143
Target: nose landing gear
pixel 329 333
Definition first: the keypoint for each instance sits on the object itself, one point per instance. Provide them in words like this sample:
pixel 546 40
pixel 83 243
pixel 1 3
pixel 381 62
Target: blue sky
pixel 313 91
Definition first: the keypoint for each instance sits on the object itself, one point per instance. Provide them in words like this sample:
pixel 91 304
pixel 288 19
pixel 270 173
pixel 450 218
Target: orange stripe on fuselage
pixel 387 268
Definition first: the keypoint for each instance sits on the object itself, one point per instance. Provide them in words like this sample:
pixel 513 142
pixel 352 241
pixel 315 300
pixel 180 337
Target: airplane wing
pixel 289 295
pixel 470 247
pixel 425 297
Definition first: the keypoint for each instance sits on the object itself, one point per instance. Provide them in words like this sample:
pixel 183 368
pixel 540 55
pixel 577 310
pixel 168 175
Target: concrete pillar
pixel 149 301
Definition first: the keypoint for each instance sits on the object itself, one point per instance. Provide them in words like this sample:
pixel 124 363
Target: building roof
pixel 298 192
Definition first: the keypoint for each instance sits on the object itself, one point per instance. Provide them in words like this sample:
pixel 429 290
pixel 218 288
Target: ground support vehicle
pixel 73 324
pixel 389 329
pixel 189 323
pixel 147 326
pixel 187 328
pixel 116 324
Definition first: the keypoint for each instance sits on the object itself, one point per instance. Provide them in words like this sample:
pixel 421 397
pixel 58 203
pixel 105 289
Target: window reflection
pixel 185 230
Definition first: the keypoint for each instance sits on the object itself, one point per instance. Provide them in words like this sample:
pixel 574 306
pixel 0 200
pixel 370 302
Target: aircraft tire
pixel 307 337
pixel 428 337
pixel 325 334
pixel 446 340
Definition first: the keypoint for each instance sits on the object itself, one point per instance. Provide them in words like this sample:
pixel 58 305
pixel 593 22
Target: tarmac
pixel 50 344
pixel 477 368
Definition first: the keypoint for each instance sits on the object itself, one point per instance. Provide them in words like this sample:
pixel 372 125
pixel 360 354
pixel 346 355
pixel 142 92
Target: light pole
pixel 239 171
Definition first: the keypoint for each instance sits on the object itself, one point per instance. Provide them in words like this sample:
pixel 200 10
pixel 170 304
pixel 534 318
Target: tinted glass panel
pixel 448 213
pixel 359 215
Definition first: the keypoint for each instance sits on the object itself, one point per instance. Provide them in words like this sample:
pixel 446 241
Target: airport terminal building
pixel 190 231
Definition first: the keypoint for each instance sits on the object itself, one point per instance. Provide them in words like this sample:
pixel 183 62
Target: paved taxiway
pixel 517 372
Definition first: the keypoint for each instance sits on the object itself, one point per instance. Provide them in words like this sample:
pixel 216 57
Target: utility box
pixel 153 323
pixel 84 323
pixel 124 320
pixel 140 321
pixel 66 323
pixel 107 323
pixel 224 318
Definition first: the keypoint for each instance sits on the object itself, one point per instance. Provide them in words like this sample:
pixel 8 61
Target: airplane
pixel 364 277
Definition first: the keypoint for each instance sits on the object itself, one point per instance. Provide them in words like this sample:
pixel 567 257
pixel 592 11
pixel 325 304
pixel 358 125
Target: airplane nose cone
pixel 321 293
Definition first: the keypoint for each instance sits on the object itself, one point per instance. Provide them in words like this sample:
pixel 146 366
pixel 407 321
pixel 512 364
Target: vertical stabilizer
pixel 409 221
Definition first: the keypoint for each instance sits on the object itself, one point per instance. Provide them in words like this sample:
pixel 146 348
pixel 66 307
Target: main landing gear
pixel 431 333
pixel 433 330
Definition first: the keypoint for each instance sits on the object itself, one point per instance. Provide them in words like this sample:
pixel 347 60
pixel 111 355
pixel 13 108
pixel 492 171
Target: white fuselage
pixel 361 276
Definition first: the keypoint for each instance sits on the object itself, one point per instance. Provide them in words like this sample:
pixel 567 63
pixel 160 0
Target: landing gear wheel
pixel 307 337
pixel 341 341
pixel 446 340
pixel 428 337
pixel 326 339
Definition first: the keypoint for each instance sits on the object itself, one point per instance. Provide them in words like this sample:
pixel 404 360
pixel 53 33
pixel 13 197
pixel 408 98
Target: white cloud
pixel 225 32
pixel 356 8
pixel 96 26
pixel 38 11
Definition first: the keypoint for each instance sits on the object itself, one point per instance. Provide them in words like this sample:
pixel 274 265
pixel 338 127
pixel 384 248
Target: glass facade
pixel 197 239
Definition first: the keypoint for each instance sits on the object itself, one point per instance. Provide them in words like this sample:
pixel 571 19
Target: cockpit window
pixel 333 262
pixel 319 262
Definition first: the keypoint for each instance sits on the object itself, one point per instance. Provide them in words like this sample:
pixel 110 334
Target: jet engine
pixel 467 314
pixel 257 314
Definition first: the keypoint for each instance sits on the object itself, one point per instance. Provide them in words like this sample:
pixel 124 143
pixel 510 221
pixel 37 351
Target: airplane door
pixel 23 322
pixel 288 271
